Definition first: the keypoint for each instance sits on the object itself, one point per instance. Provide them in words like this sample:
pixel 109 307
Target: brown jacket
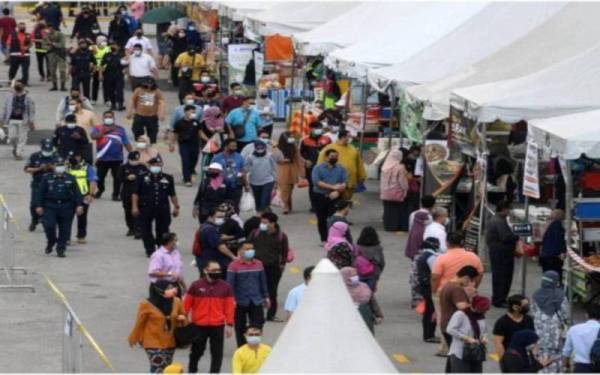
pixel 150 328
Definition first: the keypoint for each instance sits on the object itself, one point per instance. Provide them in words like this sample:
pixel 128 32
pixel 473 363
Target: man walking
pixel 111 72
pixel 128 175
pixel 248 281
pixel 55 44
pixel 501 242
pixel 186 132
pixel 82 64
pixel 147 108
pixel 210 303
pixel 310 148
pixel 244 123
pixel 39 164
pixel 295 295
pixel 19 46
pixel 70 138
pixel 86 179
pixel 19 115
pixel 234 176
pixel 580 339
pixel 7 27
pixel 437 227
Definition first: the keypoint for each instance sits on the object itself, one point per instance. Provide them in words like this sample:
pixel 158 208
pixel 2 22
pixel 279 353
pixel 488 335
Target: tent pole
pixel 291 97
pixel 392 115
pixel 483 188
pixel 365 95
pixel 569 220
pixel 524 257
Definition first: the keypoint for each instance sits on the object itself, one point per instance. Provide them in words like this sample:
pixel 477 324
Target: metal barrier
pixel 73 337
pixel 7 249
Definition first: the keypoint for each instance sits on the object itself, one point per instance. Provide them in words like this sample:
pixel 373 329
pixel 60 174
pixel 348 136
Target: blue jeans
pixel 189 153
pixel 262 195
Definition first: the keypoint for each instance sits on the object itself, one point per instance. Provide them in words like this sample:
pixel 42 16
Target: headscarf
pixel 415 236
pixel 213 118
pixel 481 305
pixel 549 297
pixel 337 234
pixel 157 296
pixel 360 292
pixel 393 177
pixel 521 340
pixel 216 182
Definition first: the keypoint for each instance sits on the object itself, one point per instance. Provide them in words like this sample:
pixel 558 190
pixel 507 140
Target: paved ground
pixel 105 279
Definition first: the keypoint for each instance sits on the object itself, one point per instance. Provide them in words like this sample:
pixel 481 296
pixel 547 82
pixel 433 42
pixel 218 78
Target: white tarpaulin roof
pixel 568 136
pixel 404 38
pixel 326 334
pixel 482 35
pixel 366 21
pixel 571 31
pixel 236 10
pixel 570 86
pixel 288 18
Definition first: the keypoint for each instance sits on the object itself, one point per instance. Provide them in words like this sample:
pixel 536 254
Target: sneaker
pixel 61 254
pixel 188 184
pixel 81 241
pixel 129 233
pixel 137 236
pixel 115 198
pixel 32 226
pixel 49 249
pixel 433 340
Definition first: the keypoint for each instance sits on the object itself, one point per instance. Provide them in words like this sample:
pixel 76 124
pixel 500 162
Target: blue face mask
pixel 249 254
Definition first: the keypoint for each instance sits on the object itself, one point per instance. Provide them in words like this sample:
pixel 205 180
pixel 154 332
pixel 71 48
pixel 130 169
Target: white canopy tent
pixel 477 38
pixel 412 32
pixel 568 136
pixel 570 86
pixel 570 31
pixel 364 22
pixel 237 10
pixel 326 334
pixel 288 18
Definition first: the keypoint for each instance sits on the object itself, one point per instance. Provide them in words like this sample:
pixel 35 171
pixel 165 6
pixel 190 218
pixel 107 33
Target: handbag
pixel 474 352
pixel 185 336
pixel 240 131
pixel 187 74
pixel 364 267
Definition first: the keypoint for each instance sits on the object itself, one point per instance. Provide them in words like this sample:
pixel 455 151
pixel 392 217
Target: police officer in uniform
pixel 111 71
pixel 150 202
pixel 129 175
pixel 82 65
pixel 39 164
pixel 55 201
pixel 86 178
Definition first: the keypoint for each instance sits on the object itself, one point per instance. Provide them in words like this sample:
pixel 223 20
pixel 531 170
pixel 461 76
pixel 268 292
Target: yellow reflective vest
pixel 81 178
pixel 99 55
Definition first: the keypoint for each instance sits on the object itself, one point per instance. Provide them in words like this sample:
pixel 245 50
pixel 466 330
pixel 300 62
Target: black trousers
pixel 312 196
pixel 81 82
pixel 137 81
pixel 131 221
pixel 82 222
pixel 161 220
pixel 189 153
pixel 234 195
pixel 114 86
pixel 15 63
pixel 243 314
pixel 273 275
pixel 145 124
pixel 459 366
pixel 428 323
pixel 503 265
pixel 96 87
pixel 216 335
pixel 174 72
pixel 41 58
pixel 448 339
pixel 185 86
pixel 323 209
pixel 103 168
pixel 582 368
pixel 552 263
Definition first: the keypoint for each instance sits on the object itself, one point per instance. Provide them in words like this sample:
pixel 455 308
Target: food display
pixel 593 260
pixel 435 152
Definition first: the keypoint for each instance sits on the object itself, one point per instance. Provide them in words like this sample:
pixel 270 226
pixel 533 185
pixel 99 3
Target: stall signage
pixel 238 57
pixel 523 230
pixel 463 132
pixel 531 182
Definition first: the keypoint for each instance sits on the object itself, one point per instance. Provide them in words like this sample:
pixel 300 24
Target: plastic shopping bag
pixel 247 202
pixel 276 199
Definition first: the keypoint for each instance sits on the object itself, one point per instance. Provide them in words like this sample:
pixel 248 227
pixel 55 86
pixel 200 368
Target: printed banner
pixel 531 181
pixel 259 66
pixel 463 132
pixel 238 56
pixel 441 173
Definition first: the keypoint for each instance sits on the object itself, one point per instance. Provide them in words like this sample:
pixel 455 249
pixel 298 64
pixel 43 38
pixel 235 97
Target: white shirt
pixel 294 297
pixel 580 339
pixel 141 66
pixel 437 230
pixel 145 42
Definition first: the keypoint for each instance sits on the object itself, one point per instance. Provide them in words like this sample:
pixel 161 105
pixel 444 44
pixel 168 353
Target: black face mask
pixel 524 309
pixel 264 96
pixel 333 161
pixel 212 174
pixel 214 275
pixel 191 51
pixel 74 162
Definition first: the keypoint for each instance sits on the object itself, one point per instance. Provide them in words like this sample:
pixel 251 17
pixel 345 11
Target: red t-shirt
pixel 8 25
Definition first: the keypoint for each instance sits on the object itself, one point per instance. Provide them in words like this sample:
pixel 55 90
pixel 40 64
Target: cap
pixel 215 166
pixel 133 155
pixel 47 145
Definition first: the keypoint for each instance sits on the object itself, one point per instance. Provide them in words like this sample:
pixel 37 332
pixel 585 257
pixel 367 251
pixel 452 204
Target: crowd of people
pixel 225 147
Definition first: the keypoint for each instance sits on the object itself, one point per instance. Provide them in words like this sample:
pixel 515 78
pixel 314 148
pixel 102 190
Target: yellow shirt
pixel 184 59
pixel 249 361
pixel 86 119
pixel 350 159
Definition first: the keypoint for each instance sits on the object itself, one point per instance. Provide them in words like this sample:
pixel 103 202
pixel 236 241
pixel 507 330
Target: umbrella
pixel 162 15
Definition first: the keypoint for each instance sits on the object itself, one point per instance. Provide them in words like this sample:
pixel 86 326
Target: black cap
pixel 155 161
pixel 133 155
pixel 70 118
pixel 47 145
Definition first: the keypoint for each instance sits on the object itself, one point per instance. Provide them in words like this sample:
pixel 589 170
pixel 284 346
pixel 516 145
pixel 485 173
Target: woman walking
pixel 550 310
pixel 363 297
pixel 155 324
pixel 290 168
pixel 394 185
pixel 369 246
pixel 262 175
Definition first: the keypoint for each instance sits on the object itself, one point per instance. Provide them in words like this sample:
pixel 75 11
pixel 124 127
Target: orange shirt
pixel 149 330
pixel 448 264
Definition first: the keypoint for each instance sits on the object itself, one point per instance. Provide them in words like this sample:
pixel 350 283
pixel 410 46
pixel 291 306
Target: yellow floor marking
pixel 312 221
pixel 401 358
pixel 494 357
pixel 294 270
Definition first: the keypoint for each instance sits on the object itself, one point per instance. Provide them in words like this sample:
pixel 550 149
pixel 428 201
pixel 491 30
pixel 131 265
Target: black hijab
pixel 157 296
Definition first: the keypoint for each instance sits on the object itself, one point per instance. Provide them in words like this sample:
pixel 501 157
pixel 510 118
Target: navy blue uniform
pixel 38 160
pixel 59 196
pixel 68 141
pixel 128 188
pixel 114 80
pixel 154 191
pixel 81 74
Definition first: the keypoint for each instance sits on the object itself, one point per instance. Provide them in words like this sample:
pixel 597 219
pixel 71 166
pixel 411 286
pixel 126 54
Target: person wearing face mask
pixel 266 107
pixel 263 136
pixel 37 35
pixel 243 123
pixel 19 46
pixel 209 301
pixel 435 228
pixel 234 174
pixel 234 99
pixel 502 244
pixel 246 276
pixel 186 132
pixel 189 63
pixel 146 150
pixel 142 67
pixel 132 23
pixel 82 64
pixel 70 138
pixel 39 164
pixel 193 35
pixel 207 93
pixel 55 201
pixel 85 23
pixel 147 108
pixel 290 168
pixel 86 178
pixel 262 175
pixel 179 111
pixel 19 116
pixel 310 147
pixel 350 159
pixel 211 193
pixel 249 358
pixel 118 30
pixel 110 139
pixel 99 50
pixel 362 297
pixel 54 42
pixel 156 320
pixel 139 38
pixel 165 263
pixel 329 181
pixel 63 108
pixel 208 243
pixel 272 246
pixel 150 202
pixel 516 319
pixel 51 13
pixel 111 73
pixel 128 175
pixel 179 45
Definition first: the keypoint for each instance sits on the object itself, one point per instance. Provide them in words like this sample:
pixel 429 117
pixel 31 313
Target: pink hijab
pixel 394 182
pixel 359 291
pixel 337 234
pixel 213 118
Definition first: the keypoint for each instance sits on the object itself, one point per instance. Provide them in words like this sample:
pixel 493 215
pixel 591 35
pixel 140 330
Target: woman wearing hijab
pixel 155 324
pixel 290 168
pixel 467 327
pixel 212 135
pixel 522 354
pixel 262 175
pixel 413 244
pixel 554 245
pixel 550 310
pixel 211 193
pixel 394 186
pixel 363 297
pixel 337 235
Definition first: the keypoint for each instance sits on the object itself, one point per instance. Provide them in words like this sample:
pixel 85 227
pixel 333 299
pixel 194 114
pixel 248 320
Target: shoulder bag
pixel 240 131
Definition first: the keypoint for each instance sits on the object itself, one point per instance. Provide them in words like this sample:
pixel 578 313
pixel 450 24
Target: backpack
pixel 595 354
pixel 197 246
pixel 363 265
